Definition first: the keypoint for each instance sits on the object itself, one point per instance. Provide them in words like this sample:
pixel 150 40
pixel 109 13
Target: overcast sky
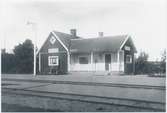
pixel 144 20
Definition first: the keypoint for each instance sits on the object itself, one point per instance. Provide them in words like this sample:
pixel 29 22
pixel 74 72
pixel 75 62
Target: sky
pixel 144 20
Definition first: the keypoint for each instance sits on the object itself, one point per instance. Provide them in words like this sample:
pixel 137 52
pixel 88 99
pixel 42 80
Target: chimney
pixel 73 32
pixel 100 34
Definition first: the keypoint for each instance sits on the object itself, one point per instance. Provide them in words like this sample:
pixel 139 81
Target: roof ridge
pixel 66 33
pixel 61 32
pixel 112 36
pixel 102 37
pixel 95 37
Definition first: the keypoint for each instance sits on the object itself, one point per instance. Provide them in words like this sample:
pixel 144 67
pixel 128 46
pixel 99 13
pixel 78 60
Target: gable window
pixel 83 60
pixel 53 60
pixel 128 58
pixel 52 40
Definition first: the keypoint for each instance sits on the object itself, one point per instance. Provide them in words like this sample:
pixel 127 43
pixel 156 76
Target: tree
pixel 163 62
pixel 8 62
pixel 141 63
pixel 24 57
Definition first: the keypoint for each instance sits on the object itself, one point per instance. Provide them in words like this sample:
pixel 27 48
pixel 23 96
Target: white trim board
pixel 124 42
pixel 43 44
pixel 52 33
pixel 68 53
pixel 60 41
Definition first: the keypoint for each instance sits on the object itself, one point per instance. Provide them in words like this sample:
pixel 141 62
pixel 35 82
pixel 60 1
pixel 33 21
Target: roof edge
pixel 77 37
pixel 60 41
pixel 43 44
pixel 127 37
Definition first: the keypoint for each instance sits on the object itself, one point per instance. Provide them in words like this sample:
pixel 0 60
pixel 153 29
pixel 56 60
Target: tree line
pixel 21 61
pixel 143 66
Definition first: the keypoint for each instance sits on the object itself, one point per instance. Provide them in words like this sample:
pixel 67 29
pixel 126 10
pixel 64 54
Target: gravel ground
pixel 126 79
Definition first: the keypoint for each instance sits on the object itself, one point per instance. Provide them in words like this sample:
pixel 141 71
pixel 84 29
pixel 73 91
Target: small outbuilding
pixel 62 53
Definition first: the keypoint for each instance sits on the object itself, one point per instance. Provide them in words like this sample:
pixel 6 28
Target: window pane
pixel 83 60
pixel 128 59
pixel 53 60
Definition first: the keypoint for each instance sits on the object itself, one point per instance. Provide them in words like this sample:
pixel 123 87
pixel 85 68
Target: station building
pixel 62 53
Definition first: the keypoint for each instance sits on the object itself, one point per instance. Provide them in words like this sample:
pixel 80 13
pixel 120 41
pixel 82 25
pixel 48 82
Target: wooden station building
pixel 62 53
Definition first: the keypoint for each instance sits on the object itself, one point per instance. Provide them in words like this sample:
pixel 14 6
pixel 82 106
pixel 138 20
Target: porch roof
pixel 100 44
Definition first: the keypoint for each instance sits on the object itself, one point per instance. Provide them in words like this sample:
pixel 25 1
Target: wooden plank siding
pixel 62 67
pixel 128 68
pixel 62 55
pixel 104 54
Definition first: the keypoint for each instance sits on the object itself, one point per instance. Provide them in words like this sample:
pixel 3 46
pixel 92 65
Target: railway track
pixel 89 83
pixel 119 102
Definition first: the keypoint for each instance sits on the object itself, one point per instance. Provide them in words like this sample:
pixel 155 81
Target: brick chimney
pixel 73 32
pixel 100 34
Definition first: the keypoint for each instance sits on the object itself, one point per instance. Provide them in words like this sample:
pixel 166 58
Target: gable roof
pixel 98 44
pixel 108 43
pixel 65 38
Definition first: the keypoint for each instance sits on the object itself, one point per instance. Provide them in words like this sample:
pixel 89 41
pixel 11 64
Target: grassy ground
pixel 58 85
pixel 17 108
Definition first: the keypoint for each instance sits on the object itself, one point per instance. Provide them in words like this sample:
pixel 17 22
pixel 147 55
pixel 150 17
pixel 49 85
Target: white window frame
pixel 50 63
pixel 130 56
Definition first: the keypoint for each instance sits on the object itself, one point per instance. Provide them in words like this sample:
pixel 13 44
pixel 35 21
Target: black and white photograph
pixel 83 55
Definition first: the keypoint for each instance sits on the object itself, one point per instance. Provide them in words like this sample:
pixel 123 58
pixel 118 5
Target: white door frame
pixel 105 61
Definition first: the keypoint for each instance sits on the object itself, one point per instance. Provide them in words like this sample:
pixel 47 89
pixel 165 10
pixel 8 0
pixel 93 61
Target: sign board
pixel 73 50
pixel 53 50
pixel 127 48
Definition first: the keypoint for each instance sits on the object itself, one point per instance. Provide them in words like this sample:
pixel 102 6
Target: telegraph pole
pixel 34 28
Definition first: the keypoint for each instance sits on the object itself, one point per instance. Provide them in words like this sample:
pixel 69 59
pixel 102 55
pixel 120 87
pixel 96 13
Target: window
pixel 128 59
pixel 83 60
pixel 53 60
pixel 52 40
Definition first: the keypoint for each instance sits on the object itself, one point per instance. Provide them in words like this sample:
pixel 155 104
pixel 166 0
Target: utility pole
pixel 34 28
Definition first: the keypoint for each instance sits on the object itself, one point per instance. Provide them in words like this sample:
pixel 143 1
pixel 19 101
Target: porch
pixel 98 62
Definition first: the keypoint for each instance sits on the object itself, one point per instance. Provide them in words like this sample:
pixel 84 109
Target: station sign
pixel 53 50
pixel 127 48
